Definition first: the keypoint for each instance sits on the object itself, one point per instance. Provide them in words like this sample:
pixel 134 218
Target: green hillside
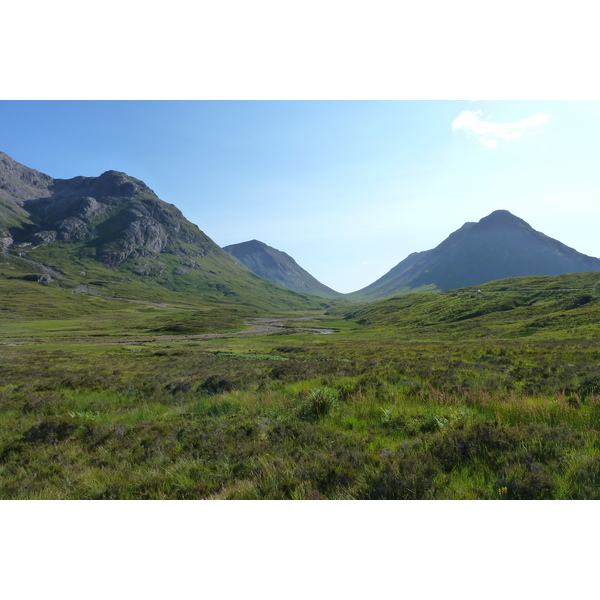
pixel 112 236
pixel 537 307
pixel 168 277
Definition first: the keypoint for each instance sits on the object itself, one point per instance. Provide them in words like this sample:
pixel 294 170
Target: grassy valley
pixel 138 360
pixel 491 394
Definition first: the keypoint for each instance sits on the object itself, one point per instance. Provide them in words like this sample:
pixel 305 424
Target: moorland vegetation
pixel 488 394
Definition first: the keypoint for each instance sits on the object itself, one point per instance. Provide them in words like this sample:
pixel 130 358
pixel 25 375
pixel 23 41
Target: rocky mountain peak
pixel 116 216
pixel 19 183
pixel 111 184
pixel 123 184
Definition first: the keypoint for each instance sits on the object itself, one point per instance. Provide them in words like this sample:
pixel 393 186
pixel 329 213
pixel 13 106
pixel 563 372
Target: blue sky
pixel 347 188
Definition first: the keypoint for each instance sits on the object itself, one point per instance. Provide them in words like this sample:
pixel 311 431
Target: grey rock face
pixel 44 278
pixel 88 208
pixel 19 183
pixel 138 237
pixel 5 241
pixel 148 234
pixel 43 237
pixel 72 228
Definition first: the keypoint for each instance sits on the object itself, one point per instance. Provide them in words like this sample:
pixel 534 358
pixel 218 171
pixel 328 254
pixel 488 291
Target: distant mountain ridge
pixel 498 246
pixel 114 230
pixel 278 267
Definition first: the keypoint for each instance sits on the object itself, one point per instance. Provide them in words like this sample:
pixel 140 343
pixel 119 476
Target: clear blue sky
pixel 347 188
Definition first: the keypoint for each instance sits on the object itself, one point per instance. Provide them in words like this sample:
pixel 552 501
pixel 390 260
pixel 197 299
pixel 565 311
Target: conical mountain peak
pixel 498 246
pixel 278 267
pixel 500 214
pixel 504 218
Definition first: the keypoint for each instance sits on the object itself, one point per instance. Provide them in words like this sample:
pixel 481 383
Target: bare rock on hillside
pixel 71 229
pixel 19 183
pixel 140 237
pixel 43 278
pixel 5 240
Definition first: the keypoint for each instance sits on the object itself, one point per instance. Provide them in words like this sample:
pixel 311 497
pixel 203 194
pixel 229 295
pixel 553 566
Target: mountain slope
pixel 542 307
pixel 278 267
pixel 498 246
pixel 113 235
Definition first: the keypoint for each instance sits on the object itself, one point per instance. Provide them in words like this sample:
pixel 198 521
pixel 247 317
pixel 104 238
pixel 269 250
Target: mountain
pixel 278 267
pixel 113 234
pixel 498 246
pixel 538 307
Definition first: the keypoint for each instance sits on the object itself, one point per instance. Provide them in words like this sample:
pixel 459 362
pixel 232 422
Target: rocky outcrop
pixel 19 183
pixel 85 289
pixel 41 238
pixel 5 241
pixel 142 236
pixel 44 278
pixel 88 208
pixel 71 229
pixel 117 217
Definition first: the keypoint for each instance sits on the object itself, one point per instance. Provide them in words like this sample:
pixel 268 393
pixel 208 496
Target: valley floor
pixel 255 327
pixel 93 410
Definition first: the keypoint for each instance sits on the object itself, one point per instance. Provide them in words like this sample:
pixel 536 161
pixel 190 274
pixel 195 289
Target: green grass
pixel 214 278
pixel 410 399
pixel 543 308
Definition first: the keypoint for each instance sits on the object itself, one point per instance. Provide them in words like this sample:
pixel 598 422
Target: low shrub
pixel 49 431
pixel 215 385
pixel 404 476
pixel 526 482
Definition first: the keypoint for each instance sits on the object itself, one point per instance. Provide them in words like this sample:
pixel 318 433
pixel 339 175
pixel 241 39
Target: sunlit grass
pixel 128 405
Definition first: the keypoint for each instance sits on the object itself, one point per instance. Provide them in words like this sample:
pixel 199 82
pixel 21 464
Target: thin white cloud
pixel 489 143
pixel 488 133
